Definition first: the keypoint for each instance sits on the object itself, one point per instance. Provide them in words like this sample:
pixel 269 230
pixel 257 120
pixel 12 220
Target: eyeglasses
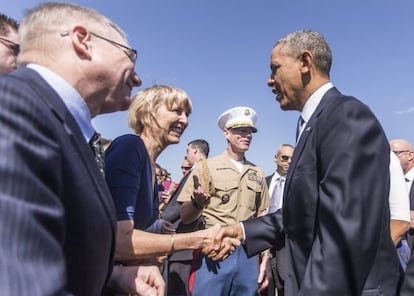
pixel 399 152
pixel 130 52
pixel 14 47
pixel 285 158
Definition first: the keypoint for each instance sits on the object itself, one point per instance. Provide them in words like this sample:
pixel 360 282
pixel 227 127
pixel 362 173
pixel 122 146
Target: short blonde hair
pixel 143 110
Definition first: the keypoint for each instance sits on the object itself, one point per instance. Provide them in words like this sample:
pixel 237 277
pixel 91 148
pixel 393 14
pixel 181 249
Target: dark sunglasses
pixel 14 47
pixel 398 153
pixel 285 157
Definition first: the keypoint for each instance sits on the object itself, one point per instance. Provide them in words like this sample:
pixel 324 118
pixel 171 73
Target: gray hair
pixel 56 17
pixel 307 40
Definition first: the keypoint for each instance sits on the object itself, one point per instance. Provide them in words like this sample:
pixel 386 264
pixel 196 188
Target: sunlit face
pixel 172 123
pixel 8 57
pixel 186 167
pixel 283 159
pixel 118 74
pixel 285 79
pixel 404 152
pixel 239 138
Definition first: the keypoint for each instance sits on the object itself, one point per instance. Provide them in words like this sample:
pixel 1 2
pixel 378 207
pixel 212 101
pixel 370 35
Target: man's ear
pixel 226 133
pixel 81 42
pixel 306 60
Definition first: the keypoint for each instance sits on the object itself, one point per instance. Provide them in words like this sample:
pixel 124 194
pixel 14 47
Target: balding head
pixel 404 150
pixel 283 158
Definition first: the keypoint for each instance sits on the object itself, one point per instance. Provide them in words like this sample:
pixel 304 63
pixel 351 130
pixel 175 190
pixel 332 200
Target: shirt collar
pixel 410 174
pixel 70 97
pixel 314 100
pixel 276 176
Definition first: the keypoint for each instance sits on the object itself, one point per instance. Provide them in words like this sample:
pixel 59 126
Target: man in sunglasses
pixel 276 183
pixel 9 44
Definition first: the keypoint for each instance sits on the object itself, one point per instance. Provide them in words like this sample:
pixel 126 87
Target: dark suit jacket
pixel 180 262
pixel 57 220
pixel 407 287
pixel 335 213
pixel 269 179
pixel 278 251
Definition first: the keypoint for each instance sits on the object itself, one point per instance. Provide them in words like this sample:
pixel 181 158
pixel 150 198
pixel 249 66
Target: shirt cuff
pixel 244 233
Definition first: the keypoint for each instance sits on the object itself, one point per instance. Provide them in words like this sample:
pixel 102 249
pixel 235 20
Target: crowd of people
pixel 83 215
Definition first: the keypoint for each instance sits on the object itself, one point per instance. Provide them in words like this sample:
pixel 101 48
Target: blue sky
pixel 218 51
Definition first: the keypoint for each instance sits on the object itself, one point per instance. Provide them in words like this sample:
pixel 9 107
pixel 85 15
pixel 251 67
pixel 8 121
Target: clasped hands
pixel 220 241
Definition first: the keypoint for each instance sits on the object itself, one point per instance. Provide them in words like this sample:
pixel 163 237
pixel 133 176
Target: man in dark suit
pixel 57 220
pixel 179 263
pixel 335 220
pixel 407 287
pixel 275 183
pixel 405 153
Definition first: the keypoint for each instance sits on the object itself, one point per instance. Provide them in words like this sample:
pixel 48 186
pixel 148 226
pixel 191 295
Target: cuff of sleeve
pixel 244 233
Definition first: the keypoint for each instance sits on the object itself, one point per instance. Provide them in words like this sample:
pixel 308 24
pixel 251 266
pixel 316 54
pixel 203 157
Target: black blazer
pixel 269 179
pixel 407 288
pixel 336 212
pixel 57 220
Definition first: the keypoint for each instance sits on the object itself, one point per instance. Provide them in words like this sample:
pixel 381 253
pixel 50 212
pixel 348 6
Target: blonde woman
pixel 158 115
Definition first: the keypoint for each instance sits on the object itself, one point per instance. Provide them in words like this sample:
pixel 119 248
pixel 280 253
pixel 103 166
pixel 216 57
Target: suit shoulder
pixel 335 99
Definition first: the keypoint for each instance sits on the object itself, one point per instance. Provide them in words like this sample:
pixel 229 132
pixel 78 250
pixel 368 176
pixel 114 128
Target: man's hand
pixel 200 198
pixel 141 280
pixel 225 241
pixel 264 271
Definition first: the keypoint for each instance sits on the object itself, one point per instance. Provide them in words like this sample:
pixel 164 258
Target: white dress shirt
pixel 272 187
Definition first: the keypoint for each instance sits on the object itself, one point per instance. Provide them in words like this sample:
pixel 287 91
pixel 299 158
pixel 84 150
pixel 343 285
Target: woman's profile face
pixel 172 123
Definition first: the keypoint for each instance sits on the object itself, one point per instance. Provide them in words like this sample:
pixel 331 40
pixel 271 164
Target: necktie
pixel 404 253
pixel 299 127
pixel 98 151
pixel 276 195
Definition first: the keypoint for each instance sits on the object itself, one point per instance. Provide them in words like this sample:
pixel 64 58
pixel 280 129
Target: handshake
pixel 219 242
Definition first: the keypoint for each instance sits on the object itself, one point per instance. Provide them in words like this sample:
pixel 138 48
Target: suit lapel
pixel 69 125
pixel 308 130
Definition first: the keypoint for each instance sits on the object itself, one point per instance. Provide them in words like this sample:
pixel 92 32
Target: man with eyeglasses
pixel 404 150
pixel 185 166
pixel 9 44
pixel 57 218
pixel 276 183
pixel 227 189
pixel 179 264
